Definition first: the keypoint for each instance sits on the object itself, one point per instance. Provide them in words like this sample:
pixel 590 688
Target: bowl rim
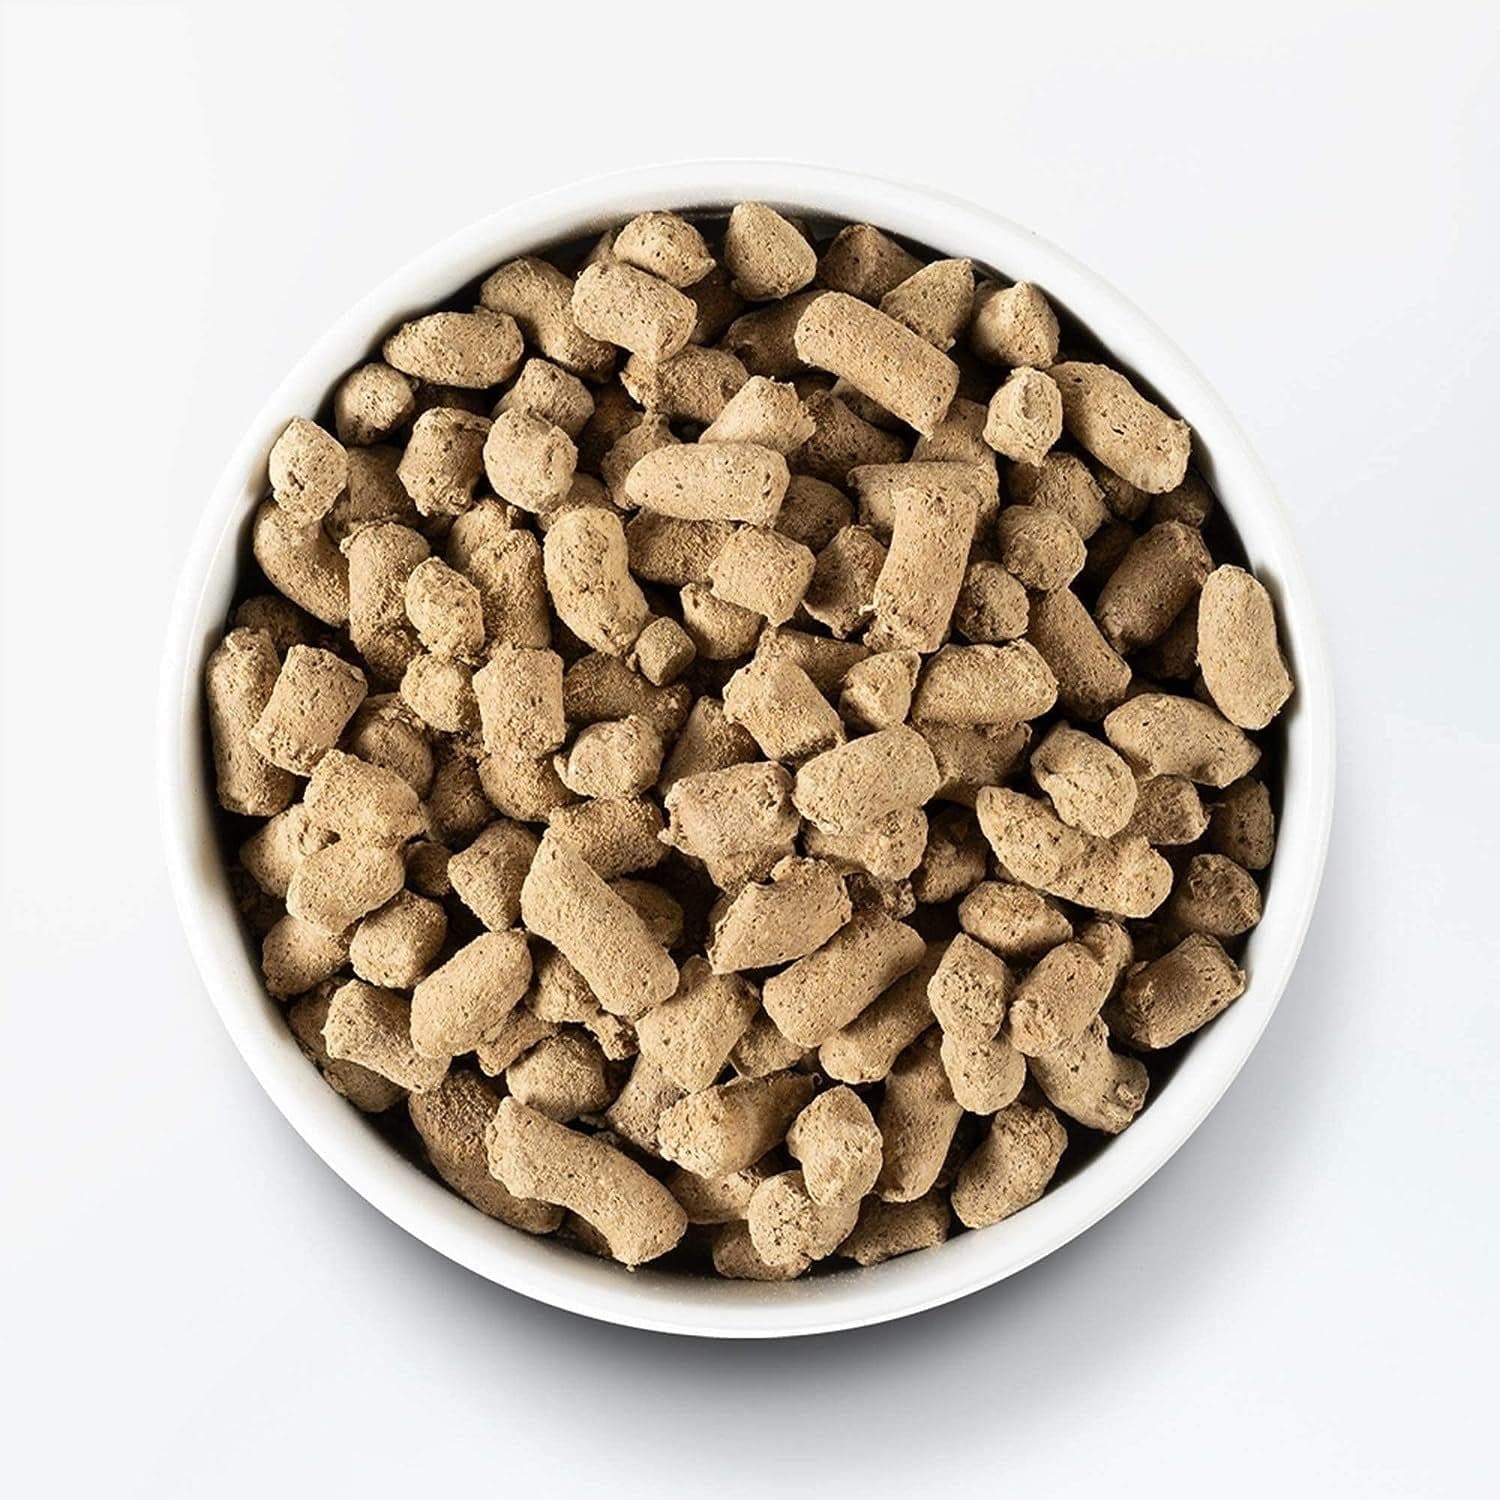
pixel 670 1302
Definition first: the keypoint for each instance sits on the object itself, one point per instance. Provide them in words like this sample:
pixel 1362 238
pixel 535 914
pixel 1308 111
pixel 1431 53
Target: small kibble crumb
pixel 743 746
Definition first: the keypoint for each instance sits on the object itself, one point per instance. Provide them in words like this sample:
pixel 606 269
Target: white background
pixel 1304 1300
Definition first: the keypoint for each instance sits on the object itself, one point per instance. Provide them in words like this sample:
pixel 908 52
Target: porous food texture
pixel 747 744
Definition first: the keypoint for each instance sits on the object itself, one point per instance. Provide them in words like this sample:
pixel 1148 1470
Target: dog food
pixel 746 747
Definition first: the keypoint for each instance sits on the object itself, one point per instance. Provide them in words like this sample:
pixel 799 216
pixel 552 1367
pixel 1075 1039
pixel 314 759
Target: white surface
pixel 1307 202
pixel 669 1303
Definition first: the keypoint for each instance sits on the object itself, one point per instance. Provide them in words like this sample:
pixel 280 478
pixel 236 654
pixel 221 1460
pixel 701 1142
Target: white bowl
pixel 659 1300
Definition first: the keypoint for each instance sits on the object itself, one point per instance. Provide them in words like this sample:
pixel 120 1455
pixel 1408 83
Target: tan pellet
pixel 739 820
pixel 362 803
pixel 463 1002
pixel 761 570
pixel 1013 920
pixel 667 246
pixel 473 350
pixel 617 758
pixel 840 594
pixel 371 403
pixel 918 586
pixel 537 1158
pixel 762 1050
pixel 1011 1166
pixel 1092 677
pixel 766 412
pixel 736 1258
pixel 865 1050
pixel 985 685
pixel 970 757
pixel 546 390
pixel 783 710
pixel 365 1090
pixel 440 693
pixel 445 609
pixel 382 558
pixel 766 923
pixel 1243 667
pixel 512 591
pixel 766 254
pixel 691 1035
pixel 719 630
pixel 539 297
pixel 985 1073
pixel 725 1128
pixel 1121 428
pixel 970 990
pixel 955 859
pixel 636 1113
pixel 487 876
pixel 812 998
pixel 918 1117
pixel 566 903
pixel 1013 325
pixel 295 956
pixel 1025 416
pixel 1172 996
pixel 1090 785
pixel 239 681
pixel 865 262
pixel 597 687
pixel 314 697
pixel 302 563
pixel 307 469
pixel 789 1227
pixel 444 460
pixel 385 732
pixel 662 652
pixel 333 887
pixel 991 607
pixel 764 340
pixel 842 441
pixel 886 1230
pixel 708 742
pixel 613 835
pixel 879 357
pixel 1062 483
pixel 887 849
pixel 1101 1089
pixel 1039 546
pixel 1243 826
pixel 272 853
pixel 934 302
pixel 670 550
pixel 1168 810
pixel 1160 573
pixel 395 946
pixel 715 1200
pixel 372 1027
pixel 876 693
pixel 1162 734
pixel 520 696
pixel 1215 896
pixel 1057 1000
pixel 563 1076
pixel 373 495
pixel 519 1032
pixel 529 460
pixel 589 581
pixel 710 481
pixel 823 660
pixel 522 786
pixel 618 304
pixel 858 783
pixel 694 385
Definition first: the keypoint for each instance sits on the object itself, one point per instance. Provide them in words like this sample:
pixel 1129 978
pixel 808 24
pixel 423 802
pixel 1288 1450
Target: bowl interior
pixel 671 1301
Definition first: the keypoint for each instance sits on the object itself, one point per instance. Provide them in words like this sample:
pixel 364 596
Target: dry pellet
pixel 395 946
pixel 970 757
pixel 618 304
pixel 865 262
pixel 539 297
pixel 1243 826
pixel 840 593
pixel 1127 433
pixel 1101 1089
pixel 597 687
pixel 691 1035
pixel 444 460
pixel 710 481
pixel 887 849
pixel 715 1200
pixel 707 742
pixel 1013 325
pixel 879 484
pixel 471 350
pixel 440 693
pixel 991 607
pixel 813 511
pixel 567 903
pixel 879 357
pixel 1162 734
pixel 636 1112
pixel 763 571
pixel 694 385
pixel 1011 1166
pixel 617 758
pixel 520 695
pixel 719 630
pixel 934 301
pixel 366 1091
pixel 667 246
pixel 918 1117
pixel 487 876
pixel 1168 810
pixel 766 412
pixel 272 853
pixel 670 550
pixel 529 460
pixel 886 1230
pixel 766 254
pixel 762 1050
pixel 1172 996
pixel 614 835
pixel 789 1227
pixel 1025 416
pixel 858 783
pixel 918 586
pixel 307 469
pixel 382 558
pixel 823 660
pixel 386 733
pixel 1092 677
pixel 969 685
pixel 512 591
pixel 371 403
pixel 1087 782
pixel 1057 999
pixel 764 339
pixel 295 956
pixel 372 1027
pixel 537 1158
pixel 463 1001
pixel 588 579
pixel 1160 573
pixel 739 820
pixel 240 679
pixel 725 1128
pixel 736 1258
pixel 1214 895
pixel 545 390
pixel 314 697
pixel 662 652
pixel 445 609
pixel 563 1076
pixel 865 1050
pixel 783 710
pixel 302 563
pixel 1040 547
pixel 766 923
pixel 1243 667
pixel 362 803
pixel 1061 482
pixel 812 998
pixel 954 861
pixel 970 990
pixel 1013 920
pixel 876 693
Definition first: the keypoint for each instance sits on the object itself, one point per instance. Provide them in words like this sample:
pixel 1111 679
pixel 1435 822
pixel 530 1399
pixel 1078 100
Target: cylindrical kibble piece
pixel 865 262
pixel 766 254
pixel 1172 996
pixel 487 876
pixel 1011 1167
pixel 529 460
pixel 782 708
pixel 725 1128
pixel 789 1227
pixel 307 469
pixel 1157 578
pixel 618 304
pixel 538 296
pixel 520 696
pixel 970 990
pixel 865 1050
pixel 1163 734
pixel 879 357
pixel 934 302
pixel 1039 546
pixel 362 803
pixel 314 697
pixel 551 393
pixel 464 1001
pixel 1168 810
pixel 1013 325
pixel 371 403
pixel 1243 668
pixel 931 531
pixel 762 570
pixel 445 609
pixel 1088 783
pixel 563 1076
pixel 618 758
pixel 886 1230
pixel 537 1158
pixel 693 386
pixel 1015 921
pixel 662 652
pixel 444 460
pixel 1242 825
pixel 739 821
pixel 812 998
pixel 710 482
pixel 691 1035
pixel 1214 895
pixel 876 693
pixel 797 911
pixel 1101 1089
pixel 991 605
pixel 985 685
pixel 240 679
pixel 613 835
pixel 1121 428
pixel 1057 1000
pixel 588 576
pixel 295 956
pixel 766 412
pixel 917 1119
pixel 372 1027
pixel 1025 416
pixel 382 558
pixel 667 246
pixel 334 887
pixel 566 903
pixel 395 946
pixel 858 783
pixel 302 563
pixel 472 350
pixel 1091 675
pixel 837 1143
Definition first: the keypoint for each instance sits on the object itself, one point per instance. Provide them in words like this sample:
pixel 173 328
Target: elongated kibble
pixel 1086 1080
pixel 1092 677
pixel 1158 576
pixel 619 304
pixel 360 802
pixel 444 460
pixel 725 1128
pixel 372 1027
pixel 396 945
pixel 739 820
pixel 614 835
pixel 766 254
pixel 1243 667
pixel 382 558
pixel 539 297
pixel 954 861
pixel 272 853
pixel 1242 825
pixel 563 1077
pixel 464 1001
pixel 1025 416
pixel 970 990
pixel 888 849
pixel 535 1157
pixel 366 1091
pixel 876 692
pixel 886 1230
pixel 985 685
pixel 802 905
pixel 1162 734
pixel 295 956
pixel 302 563
pixel 1057 999
pixel 1168 810
pixel 865 262
pixel 1013 920
pixel 548 391
pixel 1087 782
pixel 313 698
pixel 691 1035
pixel 1172 996
pixel 512 592
pixel 445 609
pixel 841 591
pixel 762 570
pixel 918 1117
pixel 663 651
pixel 472 350
pixel 588 578
pixel 520 697
pixel 715 1200
pixel 665 245
pixel 1214 895
pixel 710 482
pixel 1121 428
pixel 991 606
pixel 238 683
pixel 567 903
pixel 858 783
pixel 617 758
pixel 707 742
pixel 970 757
pixel 1040 547
pixel 307 469
pixel 789 1227
pixel 1122 876
pixel 452 1121
pixel 932 527
pixel 694 385
pixel 762 411
pixel 782 708
pixel 879 357
pixel 1011 1166
pixel 934 301
pixel 814 997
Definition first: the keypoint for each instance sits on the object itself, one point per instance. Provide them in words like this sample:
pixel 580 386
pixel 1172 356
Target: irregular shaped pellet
pixel 710 481
pixel 372 1027
pixel 1013 920
pixel 1163 734
pixel 789 1227
pixel 302 563
pixel 1087 782
pixel 724 1129
pixel 1154 581
pixel 1121 428
pixel 766 412
pixel 365 804
pixel 934 301
pixel 1092 677
pixel 970 990
pixel 464 1001
pixel 588 577
pixel 876 693
pixel 395 946
pixel 985 685
pixel 539 297
pixel 618 304
pixel 1013 325
pixel 886 1230
pixel 739 820
pixel 918 1117
pixel 766 254
pixel 472 350
pixel 1057 999
pixel 1174 995
pixel 1025 416
pixel 1242 825
pixel 1101 1089
pixel 918 586
pixel 783 710
pixel 1243 667
pixel 858 783
pixel 520 695
pixel 667 246
pixel 691 1035
pixel 1011 1167
pixel 239 681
